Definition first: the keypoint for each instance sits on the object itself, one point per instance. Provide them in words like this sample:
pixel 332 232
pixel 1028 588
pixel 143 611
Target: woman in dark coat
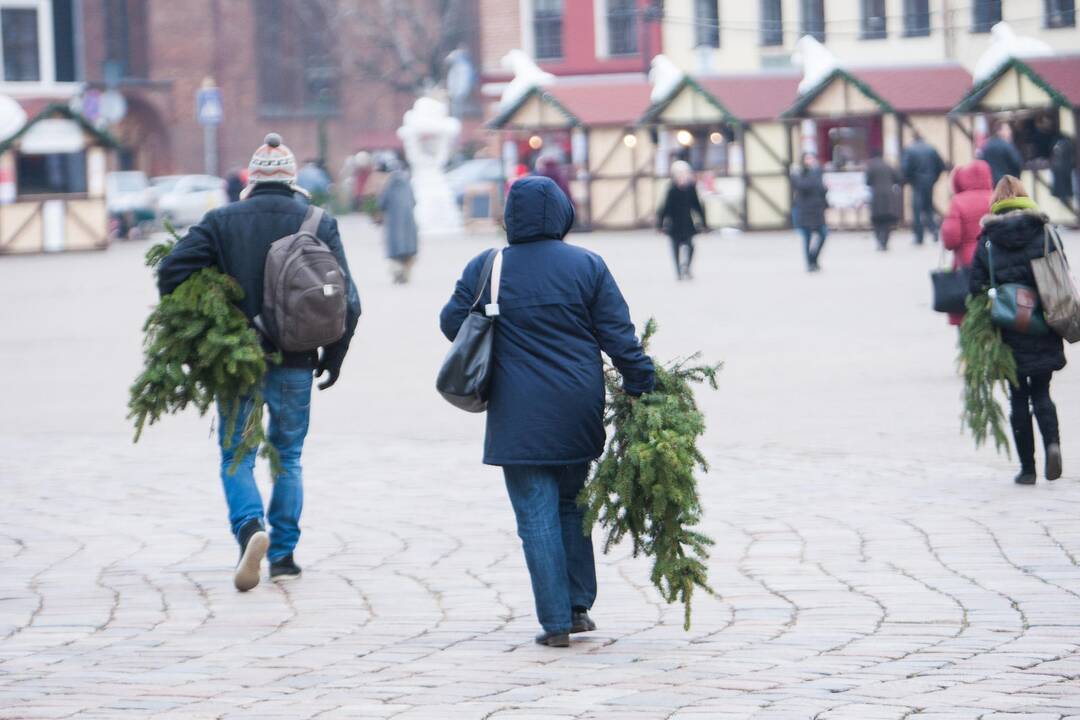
pixel 1014 235
pixel 884 182
pixel 681 216
pixel 559 308
pixel 810 204
pixel 397 206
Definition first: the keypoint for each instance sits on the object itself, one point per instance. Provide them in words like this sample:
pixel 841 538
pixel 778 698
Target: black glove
pixel 329 362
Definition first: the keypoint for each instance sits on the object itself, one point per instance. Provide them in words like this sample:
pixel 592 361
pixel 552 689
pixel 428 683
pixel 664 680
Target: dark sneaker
pixel 559 640
pixel 1053 461
pixel 254 543
pixel 1026 477
pixel 284 569
pixel 581 622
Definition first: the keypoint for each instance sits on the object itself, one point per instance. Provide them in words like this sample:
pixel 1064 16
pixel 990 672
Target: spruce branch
pixel 985 363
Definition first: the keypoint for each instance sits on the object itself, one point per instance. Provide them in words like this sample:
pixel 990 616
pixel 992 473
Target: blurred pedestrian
pixel 922 166
pixel 1001 154
pixel 961 228
pixel 234 185
pixel 681 216
pixel 1015 231
pixel 397 206
pixel 885 183
pixel 236 239
pixel 316 181
pixel 549 166
pixel 1063 165
pixel 559 309
pixel 811 200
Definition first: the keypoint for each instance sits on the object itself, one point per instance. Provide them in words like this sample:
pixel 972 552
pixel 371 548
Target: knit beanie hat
pixel 273 162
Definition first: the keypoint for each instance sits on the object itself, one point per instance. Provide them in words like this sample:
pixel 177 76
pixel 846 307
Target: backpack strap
pixel 312 221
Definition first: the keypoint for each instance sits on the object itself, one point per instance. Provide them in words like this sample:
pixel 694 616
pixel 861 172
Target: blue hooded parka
pixel 559 308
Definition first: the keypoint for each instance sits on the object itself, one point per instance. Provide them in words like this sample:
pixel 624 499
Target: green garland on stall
pixel 985 363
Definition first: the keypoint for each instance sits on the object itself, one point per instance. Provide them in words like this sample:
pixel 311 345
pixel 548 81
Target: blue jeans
pixel 287 392
pixel 557 551
pixel 922 211
pixel 813 251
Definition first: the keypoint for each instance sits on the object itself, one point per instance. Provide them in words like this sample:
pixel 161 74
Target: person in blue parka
pixel 559 308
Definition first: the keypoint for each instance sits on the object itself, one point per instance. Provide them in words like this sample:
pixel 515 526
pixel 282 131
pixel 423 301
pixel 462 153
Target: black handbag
pixel 466 372
pixel 950 290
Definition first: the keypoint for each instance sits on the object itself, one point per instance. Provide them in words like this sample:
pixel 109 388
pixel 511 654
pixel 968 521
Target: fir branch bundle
pixel 644 486
pixel 985 362
pixel 200 348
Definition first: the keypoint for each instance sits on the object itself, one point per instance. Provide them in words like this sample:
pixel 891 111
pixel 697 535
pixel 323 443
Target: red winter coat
pixel 972 188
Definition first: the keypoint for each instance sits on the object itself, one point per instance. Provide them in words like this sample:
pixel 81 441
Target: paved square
pixel 869 562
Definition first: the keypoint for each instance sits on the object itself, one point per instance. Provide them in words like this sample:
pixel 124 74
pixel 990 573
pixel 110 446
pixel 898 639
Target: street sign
pixel 208 108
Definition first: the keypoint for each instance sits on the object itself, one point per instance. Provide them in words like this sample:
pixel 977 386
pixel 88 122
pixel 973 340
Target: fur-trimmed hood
pixel 1015 228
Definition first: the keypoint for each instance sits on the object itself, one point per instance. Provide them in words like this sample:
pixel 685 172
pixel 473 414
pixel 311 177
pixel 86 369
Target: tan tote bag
pixel 1058 289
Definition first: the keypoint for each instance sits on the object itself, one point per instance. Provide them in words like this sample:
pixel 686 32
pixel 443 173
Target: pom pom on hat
pixel 273 140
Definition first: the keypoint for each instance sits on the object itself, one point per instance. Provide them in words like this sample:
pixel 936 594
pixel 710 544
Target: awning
pixel 59 111
pixel 739 98
pixel 892 89
pixel 1030 83
pixel 598 101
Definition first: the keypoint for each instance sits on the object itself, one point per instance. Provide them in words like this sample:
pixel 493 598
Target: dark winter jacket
pixel 961 227
pixel 922 164
pixel 1063 163
pixel 810 198
pixel 236 239
pixel 677 214
pixel 1017 238
pixel 1003 158
pixel 884 182
pixel 559 308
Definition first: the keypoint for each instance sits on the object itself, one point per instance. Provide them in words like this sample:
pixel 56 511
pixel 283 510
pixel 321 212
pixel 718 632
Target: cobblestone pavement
pixel 869 562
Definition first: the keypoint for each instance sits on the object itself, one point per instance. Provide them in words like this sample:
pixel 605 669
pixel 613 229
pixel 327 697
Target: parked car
pixel 474 172
pixel 130 203
pixel 184 199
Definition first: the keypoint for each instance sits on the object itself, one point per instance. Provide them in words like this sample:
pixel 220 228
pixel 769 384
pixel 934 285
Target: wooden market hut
pixel 52 184
pixel 855 111
pixel 729 128
pixel 594 121
pixel 1040 96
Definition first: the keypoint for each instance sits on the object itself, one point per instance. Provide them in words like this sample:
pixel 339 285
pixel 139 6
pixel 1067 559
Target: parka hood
pixel 1014 229
pixel 975 175
pixel 536 209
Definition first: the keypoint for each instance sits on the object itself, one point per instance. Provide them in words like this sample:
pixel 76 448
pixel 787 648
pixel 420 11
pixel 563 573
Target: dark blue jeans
pixel 557 551
pixel 287 393
pixel 922 212
pixel 811 249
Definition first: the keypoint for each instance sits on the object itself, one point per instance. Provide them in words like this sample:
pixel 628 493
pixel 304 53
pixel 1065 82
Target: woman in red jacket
pixel 972 189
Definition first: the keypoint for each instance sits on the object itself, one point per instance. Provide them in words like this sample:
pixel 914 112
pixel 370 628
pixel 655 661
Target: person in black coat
pixel 559 308
pixel 681 217
pixel 1001 154
pixel 1013 235
pixel 884 182
pixel 922 166
pixel 810 202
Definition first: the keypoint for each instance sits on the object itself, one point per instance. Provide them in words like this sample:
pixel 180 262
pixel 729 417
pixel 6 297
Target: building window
pixel 64 41
pixel 126 49
pixel 916 18
pixel 772 22
pixel 706 23
pixel 622 27
pixel 1060 13
pixel 19 37
pixel 813 19
pixel 873 20
pixel 984 15
pixel 297 72
pixel 548 29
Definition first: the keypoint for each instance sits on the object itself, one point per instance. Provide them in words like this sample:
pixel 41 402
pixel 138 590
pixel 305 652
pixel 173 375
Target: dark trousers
pixel 810 248
pixel 922 212
pixel 881 234
pixel 1033 393
pixel 683 250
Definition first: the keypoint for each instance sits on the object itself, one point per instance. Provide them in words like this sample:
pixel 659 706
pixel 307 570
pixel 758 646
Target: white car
pixel 184 199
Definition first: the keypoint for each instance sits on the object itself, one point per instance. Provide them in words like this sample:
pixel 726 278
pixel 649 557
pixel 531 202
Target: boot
pixel 1024 437
pixel 1053 461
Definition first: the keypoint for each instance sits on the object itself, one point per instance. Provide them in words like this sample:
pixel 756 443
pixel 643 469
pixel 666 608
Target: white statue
pixel 816 60
pixel 1005 45
pixel 12 117
pixel 428 133
pixel 527 75
pixel 665 76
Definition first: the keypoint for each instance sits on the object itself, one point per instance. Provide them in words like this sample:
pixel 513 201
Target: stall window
pixel 548 29
pixel 873 20
pixel 622 27
pixel 813 19
pixel 916 18
pixel 1035 134
pixel 772 22
pixel 1060 13
pixel 50 174
pixel 984 15
pixel 19 37
pixel 706 23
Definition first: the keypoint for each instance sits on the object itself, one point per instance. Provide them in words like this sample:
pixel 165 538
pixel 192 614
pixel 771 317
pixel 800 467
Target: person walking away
pixel 1001 154
pixel 1014 235
pixel 234 185
pixel 961 228
pixel 236 239
pixel 885 183
pixel 922 167
pixel 559 309
pixel 811 199
pixel 681 216
pixel 1063 165
pixel 397 208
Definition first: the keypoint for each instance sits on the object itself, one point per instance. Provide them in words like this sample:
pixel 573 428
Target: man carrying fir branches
pixel 236 239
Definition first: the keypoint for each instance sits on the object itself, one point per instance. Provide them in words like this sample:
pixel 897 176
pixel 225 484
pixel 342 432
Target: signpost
pixel 209 112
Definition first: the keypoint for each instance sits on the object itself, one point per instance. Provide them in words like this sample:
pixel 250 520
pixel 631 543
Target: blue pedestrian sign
pixel 208 109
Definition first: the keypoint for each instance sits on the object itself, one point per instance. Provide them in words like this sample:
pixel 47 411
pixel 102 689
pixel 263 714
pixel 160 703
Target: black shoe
pixel 559 640
pixel 581 622
pixel 1053 461
pixel 253 545
pixel 1026 477
pixel 284 569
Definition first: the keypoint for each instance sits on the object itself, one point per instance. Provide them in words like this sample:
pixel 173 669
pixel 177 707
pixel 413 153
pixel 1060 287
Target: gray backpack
pixel 304 290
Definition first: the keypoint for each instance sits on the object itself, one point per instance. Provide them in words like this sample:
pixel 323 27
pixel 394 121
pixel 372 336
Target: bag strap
pixel 990 262
pixel 492 309
pixel 1052 233
pixel 485 274
pixel 312 221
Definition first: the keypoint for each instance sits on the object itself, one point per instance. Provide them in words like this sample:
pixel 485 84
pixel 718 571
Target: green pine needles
pixel 644 486
pixel 985 362
pixel 200 348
